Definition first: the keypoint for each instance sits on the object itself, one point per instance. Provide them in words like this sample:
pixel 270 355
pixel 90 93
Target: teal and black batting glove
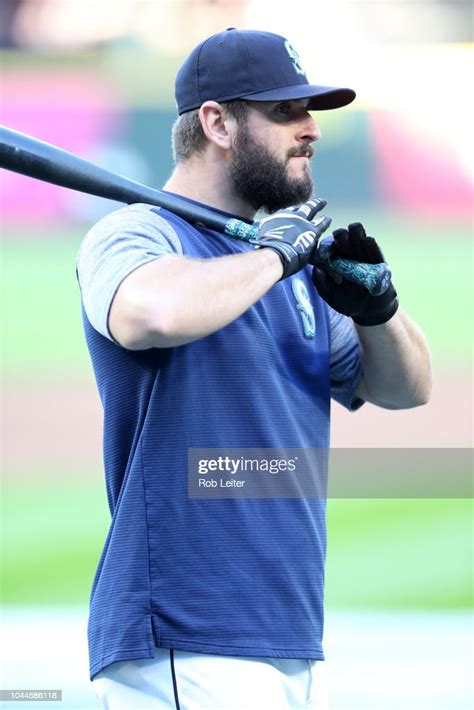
pixel 347 297
pixel 293 233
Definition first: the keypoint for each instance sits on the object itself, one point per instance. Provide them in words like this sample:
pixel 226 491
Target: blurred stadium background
pixel 96 78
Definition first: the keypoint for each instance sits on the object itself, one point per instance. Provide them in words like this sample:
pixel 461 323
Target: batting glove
pixel 347 297
pixel 293 233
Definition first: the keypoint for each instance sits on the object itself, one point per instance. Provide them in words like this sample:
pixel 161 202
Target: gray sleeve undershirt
pixel 117 245
pixel 345 366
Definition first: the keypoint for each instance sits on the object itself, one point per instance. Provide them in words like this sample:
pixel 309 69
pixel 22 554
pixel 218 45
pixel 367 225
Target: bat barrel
pixel 37 159
pixel 29 156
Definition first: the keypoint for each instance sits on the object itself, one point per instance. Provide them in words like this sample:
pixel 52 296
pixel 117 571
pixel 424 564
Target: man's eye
pixel 283 108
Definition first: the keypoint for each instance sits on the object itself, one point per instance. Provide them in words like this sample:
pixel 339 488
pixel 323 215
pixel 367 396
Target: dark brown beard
pixel 261 179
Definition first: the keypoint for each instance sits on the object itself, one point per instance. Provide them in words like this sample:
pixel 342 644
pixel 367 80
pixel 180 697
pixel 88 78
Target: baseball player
pixel 201 341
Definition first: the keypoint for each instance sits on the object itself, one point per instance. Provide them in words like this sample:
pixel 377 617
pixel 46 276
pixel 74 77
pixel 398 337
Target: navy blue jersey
pixel 233 577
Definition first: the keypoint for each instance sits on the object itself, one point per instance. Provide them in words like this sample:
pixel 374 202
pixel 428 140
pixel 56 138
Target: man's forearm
pixel 396 364
pixel 175 300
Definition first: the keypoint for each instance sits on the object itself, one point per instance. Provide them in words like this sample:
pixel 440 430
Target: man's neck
pixel 208 182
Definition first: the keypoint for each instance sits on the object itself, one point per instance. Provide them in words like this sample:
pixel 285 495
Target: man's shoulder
pixel 136 224
pixel 131 216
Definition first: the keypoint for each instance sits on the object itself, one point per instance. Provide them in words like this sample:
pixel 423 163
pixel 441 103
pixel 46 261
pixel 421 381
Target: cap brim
pixel 322 97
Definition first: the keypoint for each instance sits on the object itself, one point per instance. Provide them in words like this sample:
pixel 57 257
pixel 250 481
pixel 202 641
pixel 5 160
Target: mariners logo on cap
pixel 295 59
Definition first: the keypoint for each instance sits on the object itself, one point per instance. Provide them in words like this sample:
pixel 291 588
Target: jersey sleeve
pixel 345 365
pixel 117 245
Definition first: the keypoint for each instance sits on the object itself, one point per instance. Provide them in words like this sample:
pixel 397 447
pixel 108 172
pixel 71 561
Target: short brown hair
pixel 187 136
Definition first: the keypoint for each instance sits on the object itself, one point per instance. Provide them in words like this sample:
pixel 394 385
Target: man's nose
pixel 309 130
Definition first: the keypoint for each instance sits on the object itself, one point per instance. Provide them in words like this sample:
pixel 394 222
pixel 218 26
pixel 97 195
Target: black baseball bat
pixel 30 156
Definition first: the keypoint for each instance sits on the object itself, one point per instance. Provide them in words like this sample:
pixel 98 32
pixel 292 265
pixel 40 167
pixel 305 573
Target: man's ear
pixel 217 125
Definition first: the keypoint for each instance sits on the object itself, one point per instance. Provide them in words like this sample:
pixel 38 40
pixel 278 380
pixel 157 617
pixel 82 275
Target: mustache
pixel 304 151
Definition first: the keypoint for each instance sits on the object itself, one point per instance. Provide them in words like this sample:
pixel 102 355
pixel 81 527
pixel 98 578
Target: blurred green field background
pixel 382 553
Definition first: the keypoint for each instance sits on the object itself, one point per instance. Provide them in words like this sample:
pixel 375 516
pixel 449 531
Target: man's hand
pixel 293 233
pixel 350 298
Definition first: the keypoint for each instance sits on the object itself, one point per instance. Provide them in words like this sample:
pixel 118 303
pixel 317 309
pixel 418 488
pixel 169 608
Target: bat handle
pixel 243 231
pixel 376 278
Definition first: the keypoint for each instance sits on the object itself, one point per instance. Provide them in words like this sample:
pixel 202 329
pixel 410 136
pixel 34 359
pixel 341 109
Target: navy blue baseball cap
pixel 252 65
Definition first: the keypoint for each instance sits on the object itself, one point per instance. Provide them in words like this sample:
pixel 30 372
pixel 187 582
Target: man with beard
pixel 201 342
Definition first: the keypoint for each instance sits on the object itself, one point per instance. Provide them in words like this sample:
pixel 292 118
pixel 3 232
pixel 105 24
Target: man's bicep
pixel 137 312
